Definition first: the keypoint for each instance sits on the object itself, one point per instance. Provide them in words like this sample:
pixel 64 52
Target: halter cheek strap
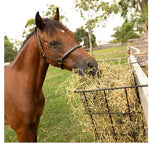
pixel 59 60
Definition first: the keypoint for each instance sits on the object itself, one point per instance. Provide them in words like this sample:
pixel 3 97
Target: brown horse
pixel 50 43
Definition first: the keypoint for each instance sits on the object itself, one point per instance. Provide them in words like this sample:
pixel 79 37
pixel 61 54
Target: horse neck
pixel 31 65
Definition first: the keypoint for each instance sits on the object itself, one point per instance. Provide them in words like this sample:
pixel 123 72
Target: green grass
pixel 108 50
pixel 109 56
pixel 57 123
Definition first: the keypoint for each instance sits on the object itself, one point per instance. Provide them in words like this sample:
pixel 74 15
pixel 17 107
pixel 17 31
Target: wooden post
pixel 141 79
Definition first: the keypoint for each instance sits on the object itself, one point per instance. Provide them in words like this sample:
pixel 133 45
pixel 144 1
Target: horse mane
pixel 24 42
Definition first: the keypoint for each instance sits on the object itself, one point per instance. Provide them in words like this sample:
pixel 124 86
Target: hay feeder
pixel 130 116
pixel 109 107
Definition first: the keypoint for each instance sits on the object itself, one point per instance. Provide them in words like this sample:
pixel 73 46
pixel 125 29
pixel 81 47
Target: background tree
pixel 125 32
pixel 28 27
pixel 136 11
pixel 81 36
pixel 87 9
pixel 133 11
pixel 50 12
pixel 93 13
pixel 9 49
pixel 135 14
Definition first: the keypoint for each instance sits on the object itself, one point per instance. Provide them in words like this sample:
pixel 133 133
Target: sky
pixel 17 12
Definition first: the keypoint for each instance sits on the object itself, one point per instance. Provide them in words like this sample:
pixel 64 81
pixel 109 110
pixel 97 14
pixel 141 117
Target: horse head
pixel 59 47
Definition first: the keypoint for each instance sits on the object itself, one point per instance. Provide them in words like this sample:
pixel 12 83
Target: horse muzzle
pixel 89 66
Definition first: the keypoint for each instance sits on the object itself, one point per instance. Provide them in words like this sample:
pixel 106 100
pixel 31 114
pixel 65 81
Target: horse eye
pixel 53 43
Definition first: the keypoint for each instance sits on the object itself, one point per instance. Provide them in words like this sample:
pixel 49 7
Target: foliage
pixel 50 12
pixel 126 6
pixel 125 32
pixel 88 9
pixel 29 27
pixel 135 11
pixel 142 21
pixel 94 13
pixel 81 36
pixel 10 51
pixel 114 41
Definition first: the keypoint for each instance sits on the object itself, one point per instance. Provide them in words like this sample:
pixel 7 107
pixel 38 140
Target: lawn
pixel 108 50
pixel 119 52
pixel 57 123
pixel 115 50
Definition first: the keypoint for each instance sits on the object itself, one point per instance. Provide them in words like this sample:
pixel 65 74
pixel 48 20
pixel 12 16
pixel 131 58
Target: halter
pixel 59 60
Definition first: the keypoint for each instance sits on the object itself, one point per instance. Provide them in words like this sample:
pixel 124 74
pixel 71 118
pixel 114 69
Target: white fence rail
pixel 141 79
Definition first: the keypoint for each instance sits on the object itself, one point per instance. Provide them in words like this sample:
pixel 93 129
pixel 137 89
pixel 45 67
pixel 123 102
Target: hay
pixel 126 130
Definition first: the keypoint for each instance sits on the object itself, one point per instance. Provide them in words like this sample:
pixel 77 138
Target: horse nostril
pixel 90 65
pixel 93 68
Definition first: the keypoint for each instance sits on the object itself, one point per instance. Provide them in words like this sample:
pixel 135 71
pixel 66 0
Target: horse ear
pixel 56 16
pixel 39 21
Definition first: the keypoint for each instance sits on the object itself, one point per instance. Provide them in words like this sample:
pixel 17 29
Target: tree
pixel 135 14
pixel 93 13
pixel 28 27
pixel 125 32
pixel 86 9
pixel 10 51
pixel 30 24
pixel 136 11
pixel 81 36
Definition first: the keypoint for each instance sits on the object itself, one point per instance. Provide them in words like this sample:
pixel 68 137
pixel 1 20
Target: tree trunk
pixel 142 4
pixel 90 42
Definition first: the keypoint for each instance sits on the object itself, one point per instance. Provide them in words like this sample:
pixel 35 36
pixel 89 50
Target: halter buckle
pixel 59 62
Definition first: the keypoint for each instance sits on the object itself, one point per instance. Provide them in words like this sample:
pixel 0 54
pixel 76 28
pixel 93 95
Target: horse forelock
pixel 52 26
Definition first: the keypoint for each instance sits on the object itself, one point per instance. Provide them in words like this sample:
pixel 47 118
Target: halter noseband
pixel 59 60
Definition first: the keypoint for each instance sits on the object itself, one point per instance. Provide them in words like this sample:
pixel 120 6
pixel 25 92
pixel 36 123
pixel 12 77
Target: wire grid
pixel 115 122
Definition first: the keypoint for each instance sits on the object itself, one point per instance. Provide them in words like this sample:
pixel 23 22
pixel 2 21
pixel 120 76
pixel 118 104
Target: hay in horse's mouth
pixel 92 71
